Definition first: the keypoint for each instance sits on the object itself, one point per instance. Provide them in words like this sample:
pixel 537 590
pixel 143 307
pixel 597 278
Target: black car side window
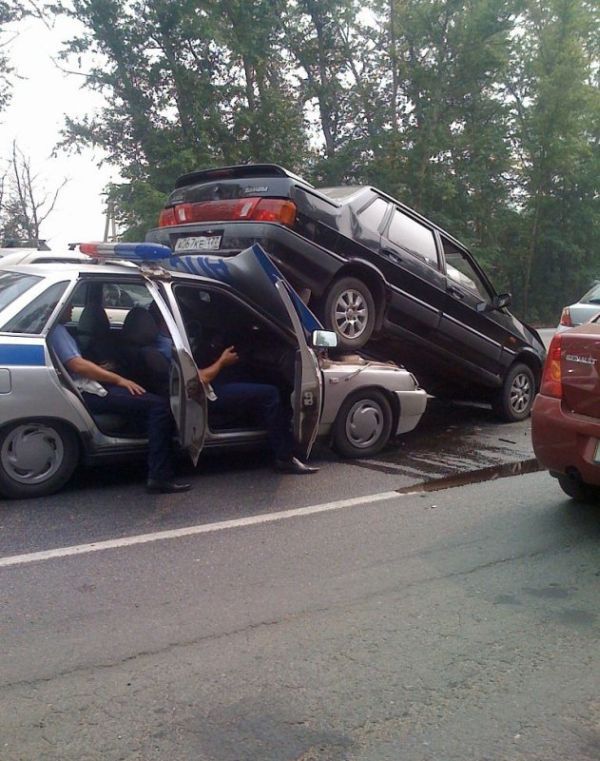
pixel 413 236
pixel 372 215
pixel 460 270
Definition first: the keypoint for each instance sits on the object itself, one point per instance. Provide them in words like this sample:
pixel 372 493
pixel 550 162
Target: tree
pixel 24 204
pixel 557 118
pixel 10 12
pixel 187 84
pixel 482 114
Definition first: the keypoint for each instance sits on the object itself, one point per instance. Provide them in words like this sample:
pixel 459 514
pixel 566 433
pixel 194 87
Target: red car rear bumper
pixel 564 440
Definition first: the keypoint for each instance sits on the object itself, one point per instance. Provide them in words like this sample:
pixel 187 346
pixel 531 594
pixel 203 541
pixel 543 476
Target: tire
pixel 36 458
pixel 577 490
pixel 513 401
pixel 350 312
pixel 363 425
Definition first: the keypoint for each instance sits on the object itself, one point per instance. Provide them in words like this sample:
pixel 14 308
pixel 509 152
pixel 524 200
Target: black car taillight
pixel 255 209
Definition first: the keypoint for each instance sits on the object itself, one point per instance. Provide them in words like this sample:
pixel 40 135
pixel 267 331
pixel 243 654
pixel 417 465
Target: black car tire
pixel 363 424
pixel 350 312
pixel 513 401
pixel 36 458
pixel 577 490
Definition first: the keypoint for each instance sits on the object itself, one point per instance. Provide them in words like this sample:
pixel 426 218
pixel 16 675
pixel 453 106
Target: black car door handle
pixel 455 292
pixel 389 254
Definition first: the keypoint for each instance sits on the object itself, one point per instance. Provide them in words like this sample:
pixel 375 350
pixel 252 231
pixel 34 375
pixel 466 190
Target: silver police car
pixel 206 302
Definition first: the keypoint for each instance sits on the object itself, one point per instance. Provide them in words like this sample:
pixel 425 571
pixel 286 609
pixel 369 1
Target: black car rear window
pixel 13 284
pixel 372 216
pixel 413 236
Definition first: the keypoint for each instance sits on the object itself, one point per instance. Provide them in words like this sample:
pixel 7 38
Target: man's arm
pixel 91 370
pixel 228 357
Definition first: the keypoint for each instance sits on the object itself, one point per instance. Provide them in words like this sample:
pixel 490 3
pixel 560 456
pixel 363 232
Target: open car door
pixel 308 384
pixel 254 275
pixel 188 398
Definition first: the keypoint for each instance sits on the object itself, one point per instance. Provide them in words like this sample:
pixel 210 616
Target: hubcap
pixel 520 393
pixel 365 423
pixel 32 453
pixel 351 314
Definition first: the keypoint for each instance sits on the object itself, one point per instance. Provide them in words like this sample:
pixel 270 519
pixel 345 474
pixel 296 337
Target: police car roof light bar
pixel 133 252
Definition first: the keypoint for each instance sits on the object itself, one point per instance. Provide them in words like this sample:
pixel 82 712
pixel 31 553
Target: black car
pixel 387 280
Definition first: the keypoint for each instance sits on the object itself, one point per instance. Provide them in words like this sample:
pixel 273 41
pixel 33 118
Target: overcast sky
pixel 41 98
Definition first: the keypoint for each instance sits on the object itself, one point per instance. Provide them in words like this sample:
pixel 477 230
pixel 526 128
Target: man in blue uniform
pixel 235 391
pixel 113 393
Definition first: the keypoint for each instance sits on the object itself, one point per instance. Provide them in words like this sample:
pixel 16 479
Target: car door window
pixel 461 271
pixel 116 298
pixel 413 236
pixel 372 215
pixel 13 284
pixel 33 318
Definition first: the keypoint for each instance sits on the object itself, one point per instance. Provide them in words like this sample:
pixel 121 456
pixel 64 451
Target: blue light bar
pixel 133 252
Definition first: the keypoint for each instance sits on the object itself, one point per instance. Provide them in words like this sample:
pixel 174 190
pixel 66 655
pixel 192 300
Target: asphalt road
pixel 109 502
pixel 460 624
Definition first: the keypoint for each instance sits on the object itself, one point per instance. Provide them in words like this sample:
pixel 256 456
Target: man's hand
pixel 134 388
pixel 91 370
pixel 228 357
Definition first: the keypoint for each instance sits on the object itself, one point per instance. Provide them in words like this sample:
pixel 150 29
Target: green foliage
pixel 10 11
pixel 482 114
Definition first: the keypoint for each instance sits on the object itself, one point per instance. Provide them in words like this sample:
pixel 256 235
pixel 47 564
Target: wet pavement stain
pixel 577 617
pixel 552 592
pixel 506 600
pixel 453 439
pixel 476 476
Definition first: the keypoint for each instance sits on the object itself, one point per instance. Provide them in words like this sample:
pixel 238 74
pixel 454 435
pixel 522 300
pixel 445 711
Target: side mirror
pixel 324 339
pixel 502 300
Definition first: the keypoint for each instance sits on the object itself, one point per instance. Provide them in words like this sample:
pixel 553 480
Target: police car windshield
pixel 13 284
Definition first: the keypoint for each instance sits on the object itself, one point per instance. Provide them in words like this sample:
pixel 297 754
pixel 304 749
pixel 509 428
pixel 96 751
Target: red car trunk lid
pixel 580 369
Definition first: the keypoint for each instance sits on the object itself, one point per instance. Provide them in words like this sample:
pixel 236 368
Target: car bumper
pixel 564 441
pixel 412 406
pixel 305 263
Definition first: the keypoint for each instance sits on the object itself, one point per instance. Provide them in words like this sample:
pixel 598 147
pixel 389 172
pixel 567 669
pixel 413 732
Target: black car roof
pixel 248 171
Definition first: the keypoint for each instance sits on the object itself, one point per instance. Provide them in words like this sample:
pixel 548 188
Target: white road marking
pixel 206 528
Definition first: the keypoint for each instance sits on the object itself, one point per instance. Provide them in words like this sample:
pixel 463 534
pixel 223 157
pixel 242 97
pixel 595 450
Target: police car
pixel 206 303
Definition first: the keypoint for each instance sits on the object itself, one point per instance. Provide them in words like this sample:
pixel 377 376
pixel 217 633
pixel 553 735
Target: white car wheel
pixel 36 458
pixel 363 424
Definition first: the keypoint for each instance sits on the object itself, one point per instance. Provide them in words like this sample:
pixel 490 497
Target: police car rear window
pixel 33 318
pixel 13 284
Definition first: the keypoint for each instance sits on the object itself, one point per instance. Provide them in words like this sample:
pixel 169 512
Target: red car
pixel 566 413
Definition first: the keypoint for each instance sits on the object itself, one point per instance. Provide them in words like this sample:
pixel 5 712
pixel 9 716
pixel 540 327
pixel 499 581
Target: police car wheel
pixel 363 424
pixel 36 458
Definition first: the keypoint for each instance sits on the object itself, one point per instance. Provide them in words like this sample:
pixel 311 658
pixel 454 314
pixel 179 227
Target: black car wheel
pixel 363 424
pixel 513 401
pixel 36 458
pixel 350 312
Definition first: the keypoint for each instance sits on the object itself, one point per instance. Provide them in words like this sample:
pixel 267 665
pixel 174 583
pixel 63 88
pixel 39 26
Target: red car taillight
pixel 565 318
pixel 255 209
pixel 167 217
pixel 552 376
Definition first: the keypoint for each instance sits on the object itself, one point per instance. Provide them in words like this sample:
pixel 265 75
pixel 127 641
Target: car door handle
pixel 455 292
pixel 392 255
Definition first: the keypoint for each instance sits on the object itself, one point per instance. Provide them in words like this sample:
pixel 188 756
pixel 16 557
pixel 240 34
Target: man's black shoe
pixel 165 487
pixel 294 466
